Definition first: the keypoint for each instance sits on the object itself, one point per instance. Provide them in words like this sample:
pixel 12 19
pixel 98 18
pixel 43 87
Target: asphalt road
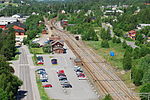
pixel 81 89
pixel 24 74
pixel 24 69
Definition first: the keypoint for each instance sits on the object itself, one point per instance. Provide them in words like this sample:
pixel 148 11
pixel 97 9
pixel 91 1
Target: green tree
pixel 4 65
pixel 105 35
pixel 118 40
pixel 47 48
pixel 127 60
pixel 114 39
pixel 108 97
pixel 136 53
pixel 137 75
pixel 139 37
pixel 144 51
pixel 124 44
pixel 105 44
pixel 145 89
pixel 3 95
pixel 118 32
pixel 146 77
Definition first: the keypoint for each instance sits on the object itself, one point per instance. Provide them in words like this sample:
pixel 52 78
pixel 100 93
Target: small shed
pixel 78 62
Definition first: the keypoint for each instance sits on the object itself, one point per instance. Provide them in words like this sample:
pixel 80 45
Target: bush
pixel 118 40
pixel 124 44
pixel 108 97
pixel 34 45
pixel 47 48
pixel 127 60
pixel 25 41
pixel 114 39
pixel 105 44
pixel 145 89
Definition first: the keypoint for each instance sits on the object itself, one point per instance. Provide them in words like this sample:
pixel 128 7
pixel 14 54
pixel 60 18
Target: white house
pixel 140 26
pixel 16 16
pixel 63 11
pixel 6 20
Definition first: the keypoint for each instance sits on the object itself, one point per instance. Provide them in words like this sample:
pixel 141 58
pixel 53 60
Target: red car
pixel 40 63
pixel 47 86
pixel 60 72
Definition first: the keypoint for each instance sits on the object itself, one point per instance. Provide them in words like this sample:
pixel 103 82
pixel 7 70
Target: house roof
pixel 54 38
pixel 58 41
pixel 17 24
pixel 17 27
pixel 132 31
pixel 20 31
pixel 143 25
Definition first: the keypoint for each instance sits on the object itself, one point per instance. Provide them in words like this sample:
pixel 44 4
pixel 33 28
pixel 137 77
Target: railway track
pixel 105 80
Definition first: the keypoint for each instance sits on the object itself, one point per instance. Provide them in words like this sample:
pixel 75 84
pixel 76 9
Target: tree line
pixel 9 83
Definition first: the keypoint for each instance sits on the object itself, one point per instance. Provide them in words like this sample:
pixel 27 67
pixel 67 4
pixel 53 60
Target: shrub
pixel 35 45
pixel 105 44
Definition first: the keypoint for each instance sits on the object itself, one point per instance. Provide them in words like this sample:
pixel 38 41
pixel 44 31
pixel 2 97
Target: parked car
pixel 78 73
pixel 39 58
pixel 64 82
pixel 40 69
pixel 47 85
pixel 41 72
pixel 67 86
pixel 62 78
pixel 77 69
pixel 82 77
pixel 54 61
pixel 60 72
pixel 40 62
pixel 44 80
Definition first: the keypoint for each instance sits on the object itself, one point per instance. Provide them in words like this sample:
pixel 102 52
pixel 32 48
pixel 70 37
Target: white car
pixel 76 68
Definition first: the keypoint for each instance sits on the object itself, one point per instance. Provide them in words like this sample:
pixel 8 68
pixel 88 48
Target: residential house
pixel 6 20
pixel 17 16
pixel 132 34
pixel 140 26
pixel 18 27
pixel 20 30
pixel 63 11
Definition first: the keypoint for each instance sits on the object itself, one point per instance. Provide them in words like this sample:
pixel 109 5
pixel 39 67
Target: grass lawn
pixel 36 50
pixel 115 61
pixel 50 56
pixel 104 52
pixel 42 92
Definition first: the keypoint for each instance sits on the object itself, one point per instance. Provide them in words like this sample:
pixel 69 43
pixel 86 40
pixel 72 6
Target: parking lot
pixel 81 89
